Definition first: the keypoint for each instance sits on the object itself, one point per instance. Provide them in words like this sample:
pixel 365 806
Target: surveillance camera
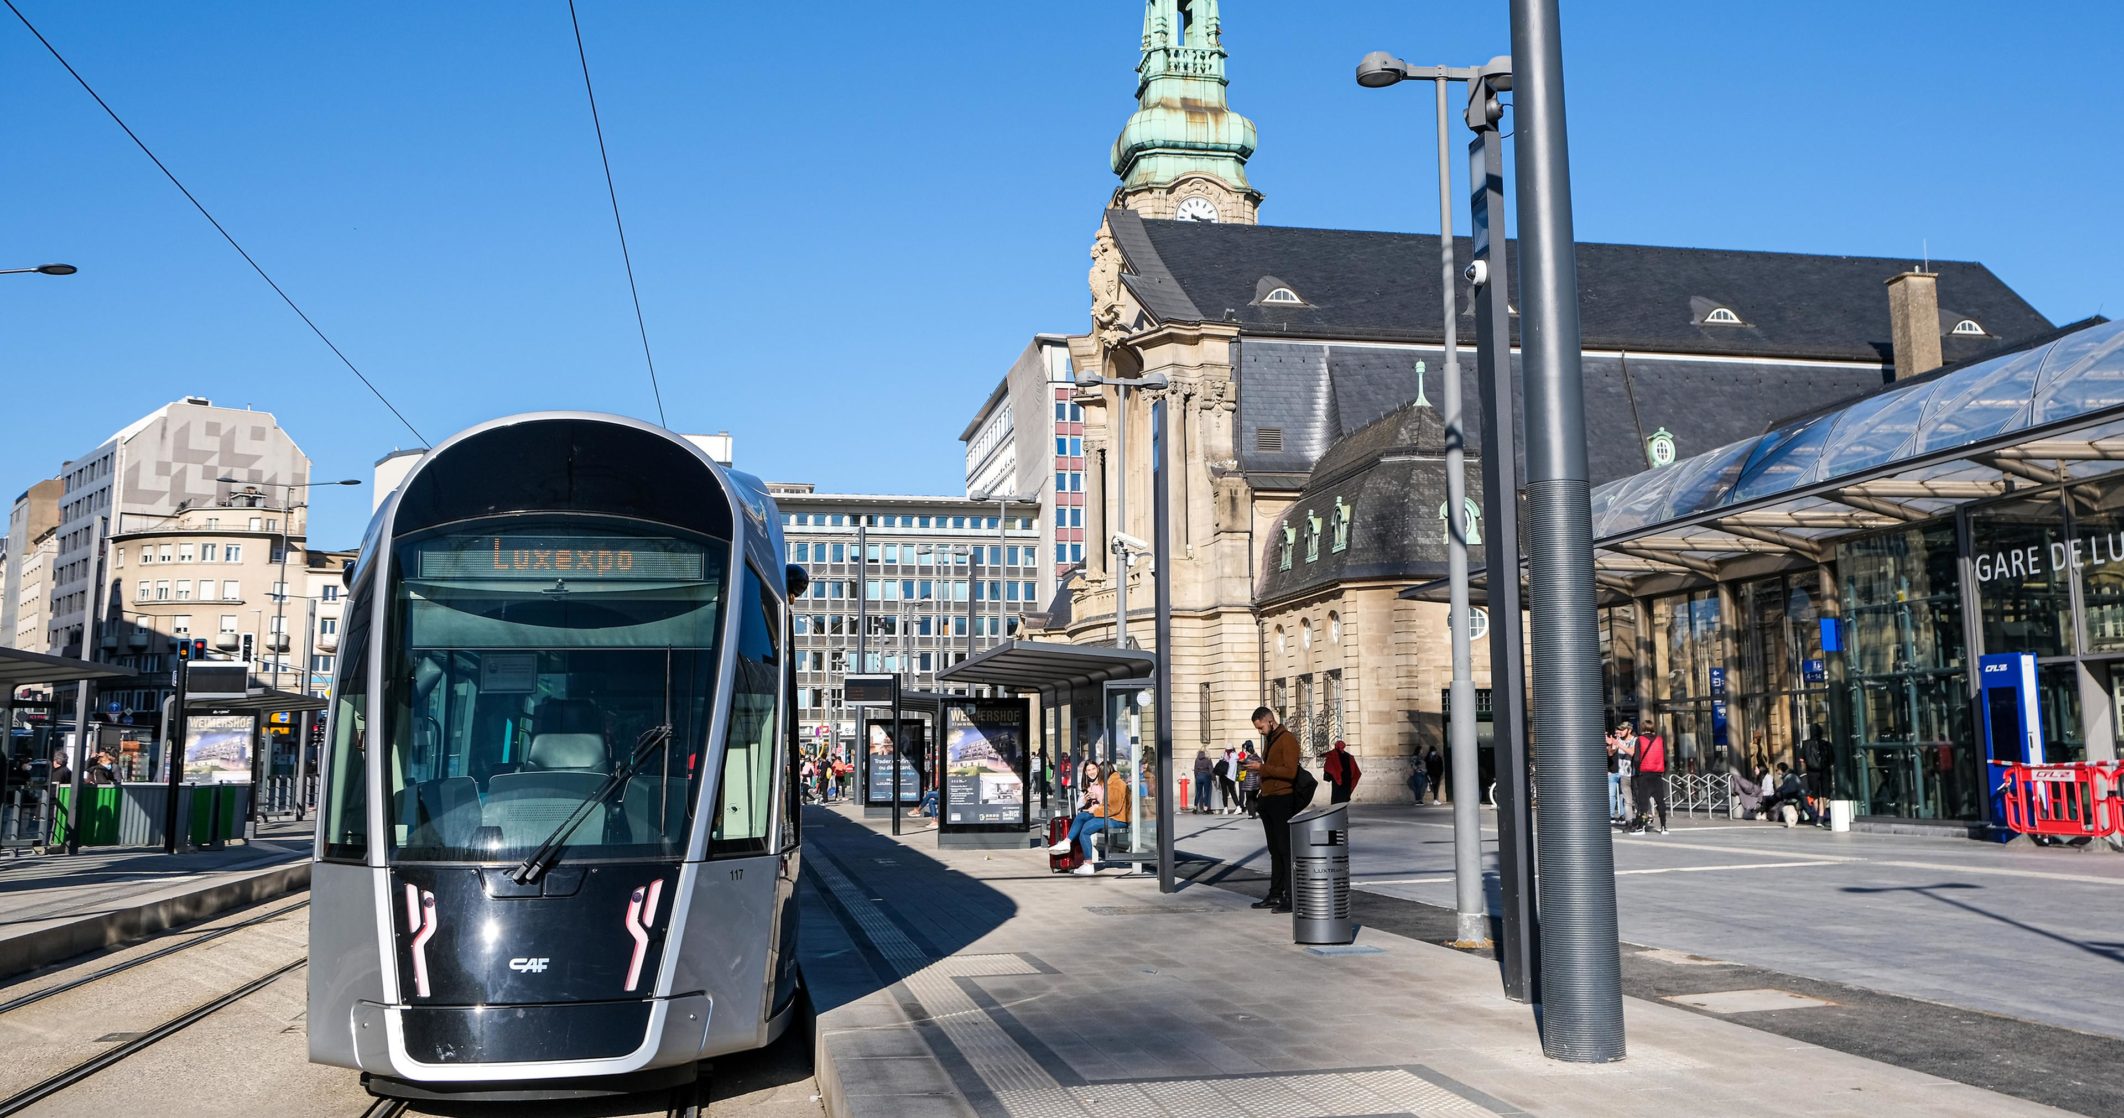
pixel 1477 273
pixel 1124 542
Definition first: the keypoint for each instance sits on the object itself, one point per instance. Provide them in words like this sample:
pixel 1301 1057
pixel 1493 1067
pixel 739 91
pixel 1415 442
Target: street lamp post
pixel 1003 502
pixel 1118 528
pixel 1377 71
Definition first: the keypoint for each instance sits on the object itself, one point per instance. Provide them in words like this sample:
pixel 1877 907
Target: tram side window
pixel 744 798
pixel 346 833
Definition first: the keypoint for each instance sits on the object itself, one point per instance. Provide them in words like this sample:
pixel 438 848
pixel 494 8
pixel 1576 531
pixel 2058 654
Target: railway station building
pixel 1303 448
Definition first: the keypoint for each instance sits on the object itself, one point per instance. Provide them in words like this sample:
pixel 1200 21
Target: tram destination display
pixel 985 757
pixel 547 558
pixel 881 742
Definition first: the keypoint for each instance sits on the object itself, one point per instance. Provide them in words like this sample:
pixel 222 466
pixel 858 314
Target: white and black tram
pixel 558 843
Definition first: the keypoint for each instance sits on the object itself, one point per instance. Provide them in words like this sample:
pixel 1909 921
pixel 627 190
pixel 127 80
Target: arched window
pixel 1968 328
pixel 1312 536
pixel 1720 316
pixel 1305 634
pixel 1334 627
pixel 1282 645
pixel 1343 511
pixel 1285 296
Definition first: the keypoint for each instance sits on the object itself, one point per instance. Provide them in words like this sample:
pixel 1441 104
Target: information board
pixel 986 747
pixel 881 743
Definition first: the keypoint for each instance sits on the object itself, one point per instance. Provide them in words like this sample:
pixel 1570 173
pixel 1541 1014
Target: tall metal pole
pixel 1162 589
pixel 1120 521
pixel 280 599
pixel 862 587
pixel 1470 900
pixel 1500 496
pixel 1581 987
pixel 309 689
pixel 175 726
pixel 89 637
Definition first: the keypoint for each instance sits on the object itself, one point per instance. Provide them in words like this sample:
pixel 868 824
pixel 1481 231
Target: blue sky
pixel 847 219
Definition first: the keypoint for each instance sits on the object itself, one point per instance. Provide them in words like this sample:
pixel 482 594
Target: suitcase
pixel 1057 830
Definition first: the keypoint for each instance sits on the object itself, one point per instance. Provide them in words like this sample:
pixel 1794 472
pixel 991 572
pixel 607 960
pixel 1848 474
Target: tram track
pixel 195 940
pixel 134 1045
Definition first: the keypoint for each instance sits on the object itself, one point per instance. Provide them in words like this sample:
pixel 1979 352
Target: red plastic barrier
pixel 2076 800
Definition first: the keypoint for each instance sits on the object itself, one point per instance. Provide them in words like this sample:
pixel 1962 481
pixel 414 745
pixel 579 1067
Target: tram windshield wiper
pixel 542 859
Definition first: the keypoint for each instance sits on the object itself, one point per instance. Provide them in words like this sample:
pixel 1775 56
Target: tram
pixel 559 841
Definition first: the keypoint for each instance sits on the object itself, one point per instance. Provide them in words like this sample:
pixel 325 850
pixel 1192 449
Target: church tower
pixel 1183 154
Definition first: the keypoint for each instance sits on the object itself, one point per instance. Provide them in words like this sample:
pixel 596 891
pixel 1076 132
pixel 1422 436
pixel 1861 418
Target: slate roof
pixel 1391 474
pixel 1318 394
pixel 1384 287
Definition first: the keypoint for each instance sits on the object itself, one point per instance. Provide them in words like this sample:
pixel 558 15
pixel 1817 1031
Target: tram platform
pixel 974 982
pixel 54 906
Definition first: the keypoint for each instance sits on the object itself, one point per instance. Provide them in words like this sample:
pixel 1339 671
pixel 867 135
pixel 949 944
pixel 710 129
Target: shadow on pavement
pixel 875 908
pixel 2110 951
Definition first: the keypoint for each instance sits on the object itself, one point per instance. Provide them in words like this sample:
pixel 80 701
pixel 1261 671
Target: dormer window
pixel 1285 296
pixel 1270 291
pixel 1312 536
pixel 1720 316
pixel 1968 328
pixel 1290 541
pixel 1342 525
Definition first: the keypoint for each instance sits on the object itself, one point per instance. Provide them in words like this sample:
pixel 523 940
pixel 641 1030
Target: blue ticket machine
pixel 2013 725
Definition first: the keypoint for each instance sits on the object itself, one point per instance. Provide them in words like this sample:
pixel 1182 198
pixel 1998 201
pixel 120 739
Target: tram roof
pixel 1049 666
pixel 21 667
pixel 2040 415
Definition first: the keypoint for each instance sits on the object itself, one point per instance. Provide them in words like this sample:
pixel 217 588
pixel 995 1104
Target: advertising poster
pixel 985 747
pixel 217 748
pixel 878 760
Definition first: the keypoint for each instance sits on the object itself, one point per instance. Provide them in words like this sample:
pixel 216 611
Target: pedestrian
pixel 1615 814
pixel 810 775
pixel 1434 774
pixel 1342 772
pixel 1650 784
pixel 1068 769
pixel 1205 771
pixel 1276 770
pixel 99 770
pixel 1227 786
pixel 1249 780
pixel 1626 767
pixel 61 775
pixel 1418 779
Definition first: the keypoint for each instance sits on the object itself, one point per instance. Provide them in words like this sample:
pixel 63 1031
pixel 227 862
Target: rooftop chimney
pixel 1914 322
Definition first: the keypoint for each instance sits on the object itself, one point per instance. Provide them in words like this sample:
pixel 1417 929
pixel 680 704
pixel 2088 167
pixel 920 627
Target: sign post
pixel 873 692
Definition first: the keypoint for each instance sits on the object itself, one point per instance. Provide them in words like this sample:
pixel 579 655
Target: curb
pixel 66 938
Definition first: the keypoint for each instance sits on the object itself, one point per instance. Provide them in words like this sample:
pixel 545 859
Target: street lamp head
pixel 1380 69
pixel 56 269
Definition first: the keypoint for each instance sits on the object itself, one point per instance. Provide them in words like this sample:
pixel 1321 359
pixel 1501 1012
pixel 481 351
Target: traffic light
pixel 198 648
pixel 246 648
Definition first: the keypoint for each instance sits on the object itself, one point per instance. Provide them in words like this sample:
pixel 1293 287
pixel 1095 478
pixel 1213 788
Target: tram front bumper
pixel 511 1043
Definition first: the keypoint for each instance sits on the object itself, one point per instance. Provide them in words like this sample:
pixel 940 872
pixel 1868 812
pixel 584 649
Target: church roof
pixel 1355 285
pixel 1390 475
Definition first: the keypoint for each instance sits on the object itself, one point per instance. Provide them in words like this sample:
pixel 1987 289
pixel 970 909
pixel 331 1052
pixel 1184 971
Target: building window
pixel 209 553
pixel 1334 627
pixel 146 590
pixel 1290 540
pixel 329 626
pixel 1205 711
pixel 1720 316
pixel 1312 536
pixel 1282 645
pixel 1283 295
pixel 231 590
pixel 1342 525
pixel 1968 328
pixel 165 553
pixel 233 553
pixel 228 622
pixel 184 553
pixel 184 590
pixel 1305 635
pixel 330 594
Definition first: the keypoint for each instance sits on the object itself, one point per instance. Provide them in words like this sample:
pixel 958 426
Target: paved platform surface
pixel 54 906
pixel 951 982
pixel 2017 930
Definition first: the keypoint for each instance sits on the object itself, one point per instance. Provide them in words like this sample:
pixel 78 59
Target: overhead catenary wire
pixel 211 220
pixel 612 192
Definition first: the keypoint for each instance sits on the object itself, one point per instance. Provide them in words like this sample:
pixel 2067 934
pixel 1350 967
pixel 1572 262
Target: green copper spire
pixel 1183 143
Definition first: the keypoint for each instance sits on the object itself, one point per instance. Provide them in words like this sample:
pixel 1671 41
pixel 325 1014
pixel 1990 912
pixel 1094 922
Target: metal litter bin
pixel 1320 876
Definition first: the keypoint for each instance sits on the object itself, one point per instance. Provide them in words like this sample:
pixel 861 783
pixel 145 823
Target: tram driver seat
pixel 562 768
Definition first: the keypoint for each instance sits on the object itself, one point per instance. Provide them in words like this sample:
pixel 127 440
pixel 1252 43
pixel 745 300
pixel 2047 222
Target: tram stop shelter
pixel 1835 590
pixel 1097 703
pixel 20 668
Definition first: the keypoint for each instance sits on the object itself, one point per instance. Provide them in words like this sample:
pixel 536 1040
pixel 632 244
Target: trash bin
pixel 1320 876
pixel 1840 814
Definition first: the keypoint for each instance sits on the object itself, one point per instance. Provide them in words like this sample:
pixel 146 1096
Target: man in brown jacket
pixel 1278 766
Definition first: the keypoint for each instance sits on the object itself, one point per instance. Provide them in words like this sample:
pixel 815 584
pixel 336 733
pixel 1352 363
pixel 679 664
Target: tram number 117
pixel 737 874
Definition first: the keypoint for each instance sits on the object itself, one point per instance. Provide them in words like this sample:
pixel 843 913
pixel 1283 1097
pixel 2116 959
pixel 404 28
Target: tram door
pixel 1130 747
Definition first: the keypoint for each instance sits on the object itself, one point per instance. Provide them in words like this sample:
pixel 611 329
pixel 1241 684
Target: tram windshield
pixel 531 665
